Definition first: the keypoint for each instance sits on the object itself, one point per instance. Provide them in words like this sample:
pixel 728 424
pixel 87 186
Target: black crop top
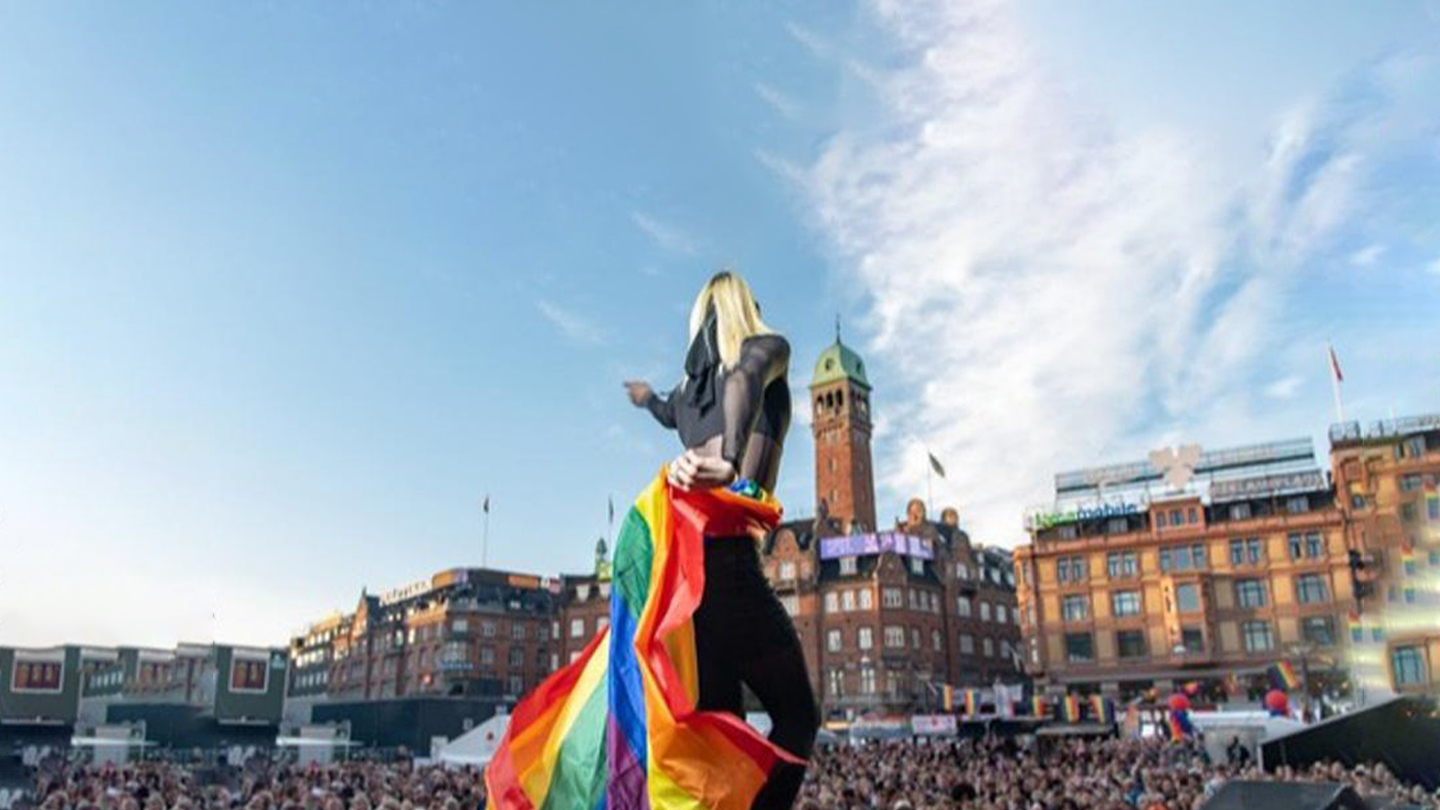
pixel 754 398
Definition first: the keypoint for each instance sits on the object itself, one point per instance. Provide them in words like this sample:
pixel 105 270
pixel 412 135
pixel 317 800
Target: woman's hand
pixel 639 392
pixel 691 470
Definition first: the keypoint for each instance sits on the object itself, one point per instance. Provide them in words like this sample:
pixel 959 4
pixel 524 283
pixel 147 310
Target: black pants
pixel 743 635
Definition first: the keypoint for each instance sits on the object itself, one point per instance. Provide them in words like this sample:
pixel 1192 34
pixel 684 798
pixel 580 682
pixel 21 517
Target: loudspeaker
pixel 1285 796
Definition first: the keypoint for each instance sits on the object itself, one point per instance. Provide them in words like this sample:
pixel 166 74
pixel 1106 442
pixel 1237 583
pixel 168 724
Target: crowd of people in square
pixel 968 774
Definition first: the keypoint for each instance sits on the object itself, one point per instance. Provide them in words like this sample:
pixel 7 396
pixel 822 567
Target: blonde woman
pixel 732 411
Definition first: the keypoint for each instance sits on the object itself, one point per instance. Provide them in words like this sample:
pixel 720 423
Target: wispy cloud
pixel 668 237
pixel 573 325
pixel 1284 388
pixel 783 104
pixel 1056 294
pixel 817 45
pixel 1367 256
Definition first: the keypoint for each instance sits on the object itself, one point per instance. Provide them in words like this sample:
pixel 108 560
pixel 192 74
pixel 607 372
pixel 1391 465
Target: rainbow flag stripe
pixel 970 708
pixel 1071 707
pixel 1102 708
pixel 617 729
pixel 1283 676
pixel 947 693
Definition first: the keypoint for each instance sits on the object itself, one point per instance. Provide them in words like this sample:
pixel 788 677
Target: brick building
pixel 885 618
pixel 1385 477
pixel 465 631
pixel 1189 566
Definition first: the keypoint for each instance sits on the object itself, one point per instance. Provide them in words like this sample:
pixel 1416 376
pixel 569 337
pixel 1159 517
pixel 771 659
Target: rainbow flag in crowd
pixel 1071 709
pixel 971 708
pixel 947 697
pixel 1037 706
pixel 1407 557
pixel 618 729
pixel 1283 676
pixel 1180 726
pixel 1357 631
pixel 1103 709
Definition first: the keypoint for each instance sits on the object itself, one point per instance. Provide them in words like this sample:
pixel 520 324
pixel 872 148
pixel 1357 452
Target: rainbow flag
pixel 1103 709
pixel 1357 631
pixel 618 728
pixel 947 697
pixel 1179 723
pixel 970 707
pixel 1037 705
pixel 1407 557
pixel 1071 708
pixel 1283 676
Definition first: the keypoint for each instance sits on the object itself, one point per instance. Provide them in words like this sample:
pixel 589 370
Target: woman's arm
pixel 763 359
pixel 643 396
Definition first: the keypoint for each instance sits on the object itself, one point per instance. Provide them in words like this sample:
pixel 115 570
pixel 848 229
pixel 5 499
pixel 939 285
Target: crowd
pixel 986 774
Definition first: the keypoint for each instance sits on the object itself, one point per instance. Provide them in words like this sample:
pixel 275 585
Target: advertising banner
pixel 934 724
pixel 855 545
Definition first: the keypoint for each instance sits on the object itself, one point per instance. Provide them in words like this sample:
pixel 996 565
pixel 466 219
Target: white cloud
pixel 817 45
pixel 1284 388
pixel 783 104
pixel 1367 256
pixel 668 237
pixel 1053 293
pixel 572 325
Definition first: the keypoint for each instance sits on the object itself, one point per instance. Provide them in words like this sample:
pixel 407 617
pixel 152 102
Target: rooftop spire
pixel 837 327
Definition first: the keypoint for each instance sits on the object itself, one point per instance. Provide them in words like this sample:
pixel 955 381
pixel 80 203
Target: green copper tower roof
pixel 839 362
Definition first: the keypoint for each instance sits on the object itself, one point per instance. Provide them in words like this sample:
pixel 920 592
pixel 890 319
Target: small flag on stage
pixel 935 464
pixel 1071 708
pixel 1103 709
pixel 1283 676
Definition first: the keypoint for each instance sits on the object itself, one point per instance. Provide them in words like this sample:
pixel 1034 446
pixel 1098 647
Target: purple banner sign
pixel 855 545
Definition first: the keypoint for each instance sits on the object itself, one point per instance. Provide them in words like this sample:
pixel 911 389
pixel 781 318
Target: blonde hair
pixel 737 316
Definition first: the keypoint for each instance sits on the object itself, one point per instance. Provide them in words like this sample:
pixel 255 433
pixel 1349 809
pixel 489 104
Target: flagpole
pixel 485 542
pixel 1335 382
pixel 929 489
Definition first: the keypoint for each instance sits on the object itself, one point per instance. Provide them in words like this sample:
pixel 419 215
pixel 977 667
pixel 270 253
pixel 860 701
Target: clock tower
pixel 840 410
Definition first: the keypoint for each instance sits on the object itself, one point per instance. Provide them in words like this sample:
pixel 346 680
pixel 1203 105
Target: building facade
pixel 884 618
pixel 463 632
pixel 1189 566
pixel 1385 478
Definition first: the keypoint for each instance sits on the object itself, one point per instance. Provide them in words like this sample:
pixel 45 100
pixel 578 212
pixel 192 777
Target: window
pixel 1075 608
pixel 601 622
pixel 935 640
pixel 1318 630
pixel 1070 569
pixel 847 565
pixel 962 606
pixel 1311 589
pixel 967 644
pixel 1410 483
pixel 847 601
pixel 1254 550
pixel 517 685
pixel 459 626
pixel 791 603
pixel 1314 547
pixel 1258 637
pixel 517 631
pixel 1122 564
pixel 917 566
pixel 1250 593
pixel 890 597
pixel 787 570
pixel 1237 552
pixel 1159 519
pixel 914 638
pixel 1118 525
pixel 1130 643
pixel 1192 639
pixel 1079 647
pixel 577 628
pixel 867 599
pixel 894 636
pixel 984 611
pixel 1000 615
pixel 832 602
pixel 987 647
pixel 836 682
pixel 833 640
pixel 1182 558
pixel 487 656
pixel 517 656
pixel 867 680
pixel 910 592
pixel 1240 511
pixel 1176 518
pixel 1187 598
pixel 962 571
pixel 487 629
pixel 1193 515
pixel 1125 603
pixel 1408 665
pixel 865 638
pixel 1298 504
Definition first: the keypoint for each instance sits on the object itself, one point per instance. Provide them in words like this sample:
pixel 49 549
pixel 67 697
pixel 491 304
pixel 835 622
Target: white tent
pixel 476 746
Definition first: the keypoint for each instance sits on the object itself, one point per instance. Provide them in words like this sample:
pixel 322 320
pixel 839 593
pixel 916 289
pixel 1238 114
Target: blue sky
pixel 286 289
